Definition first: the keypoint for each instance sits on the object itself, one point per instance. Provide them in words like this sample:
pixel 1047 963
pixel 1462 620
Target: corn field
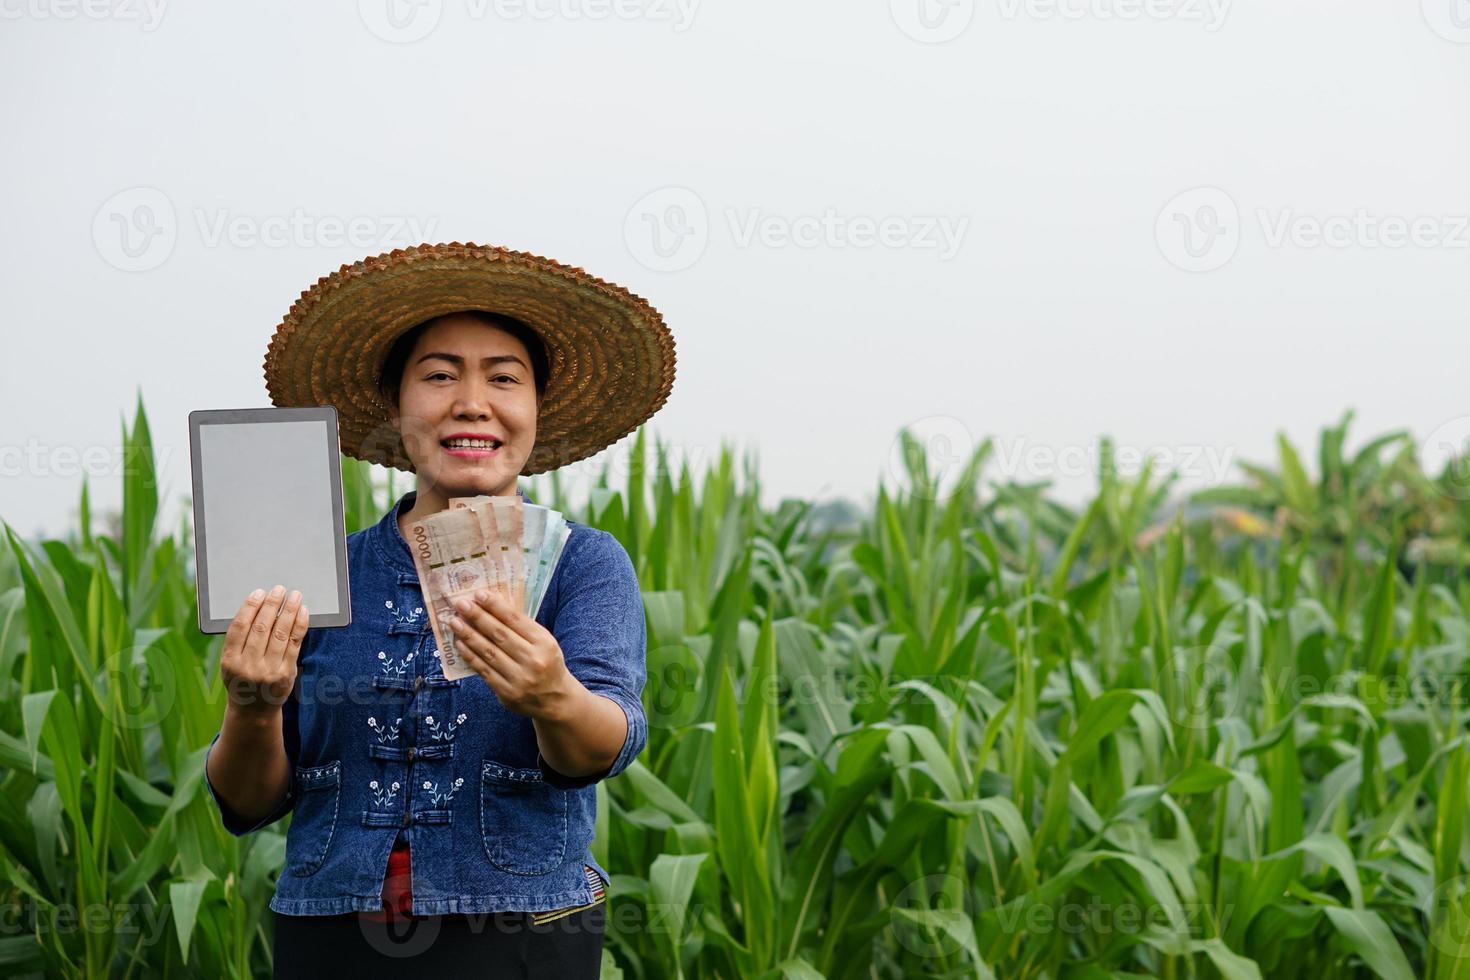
pixel 973 732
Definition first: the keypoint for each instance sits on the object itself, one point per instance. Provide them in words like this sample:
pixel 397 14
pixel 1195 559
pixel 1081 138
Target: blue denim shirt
pixel 382 746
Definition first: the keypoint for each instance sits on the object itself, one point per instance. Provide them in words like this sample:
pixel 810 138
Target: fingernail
pixel 295 596
pixel 276 592
pixel 482 595
pixel 258 594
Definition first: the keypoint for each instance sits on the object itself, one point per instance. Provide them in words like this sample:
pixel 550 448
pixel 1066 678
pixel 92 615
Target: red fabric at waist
pixel 397 897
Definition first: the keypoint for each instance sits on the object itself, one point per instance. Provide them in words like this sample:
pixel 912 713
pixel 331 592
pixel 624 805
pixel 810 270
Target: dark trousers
pixel 493 944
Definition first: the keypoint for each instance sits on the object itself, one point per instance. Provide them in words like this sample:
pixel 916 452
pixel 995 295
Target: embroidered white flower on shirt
pixel 384 733
pixel 437 797
pixel 392 665
pixel 444 732
pixel 404 617
pixel 383 797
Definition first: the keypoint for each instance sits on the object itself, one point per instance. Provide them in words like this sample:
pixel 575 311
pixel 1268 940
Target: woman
pixel 446 823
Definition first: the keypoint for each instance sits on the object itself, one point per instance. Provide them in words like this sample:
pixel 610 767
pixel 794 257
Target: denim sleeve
pixel 289 732
pixel 601 629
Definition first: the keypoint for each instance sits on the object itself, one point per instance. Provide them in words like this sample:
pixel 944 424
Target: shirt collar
pixel 388 536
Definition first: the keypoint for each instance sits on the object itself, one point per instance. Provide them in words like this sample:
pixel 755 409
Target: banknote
pixel 522 544
pixel 547 556
pixel 448 551
pixel 496 565
pixel 510 531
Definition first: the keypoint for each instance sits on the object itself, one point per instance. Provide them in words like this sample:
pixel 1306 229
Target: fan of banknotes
pixel 499 543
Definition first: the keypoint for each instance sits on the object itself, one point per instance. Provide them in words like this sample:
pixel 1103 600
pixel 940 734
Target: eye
pixel 507 377
pixel 436 374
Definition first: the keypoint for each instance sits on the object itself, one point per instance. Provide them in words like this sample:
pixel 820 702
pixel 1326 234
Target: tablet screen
pixel 268 509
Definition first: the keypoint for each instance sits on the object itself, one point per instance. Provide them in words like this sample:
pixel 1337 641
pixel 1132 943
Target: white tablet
pixel 268 510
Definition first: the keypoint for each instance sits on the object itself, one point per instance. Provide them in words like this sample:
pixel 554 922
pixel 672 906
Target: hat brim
pixel 611 355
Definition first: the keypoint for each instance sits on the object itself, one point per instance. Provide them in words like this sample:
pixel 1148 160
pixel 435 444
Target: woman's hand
pixel 258 662
pixel 517 656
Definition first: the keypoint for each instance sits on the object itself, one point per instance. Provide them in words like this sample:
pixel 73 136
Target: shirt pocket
pixel 523 820
pixel 314 820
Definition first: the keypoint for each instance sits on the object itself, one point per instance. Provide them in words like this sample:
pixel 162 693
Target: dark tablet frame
pixel 333 462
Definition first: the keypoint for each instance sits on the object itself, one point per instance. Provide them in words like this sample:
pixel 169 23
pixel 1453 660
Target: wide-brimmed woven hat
pixel 611 356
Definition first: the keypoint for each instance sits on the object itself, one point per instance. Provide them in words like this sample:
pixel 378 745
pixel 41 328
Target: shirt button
pixel 405 820
pixel 411 753
pixel 418 682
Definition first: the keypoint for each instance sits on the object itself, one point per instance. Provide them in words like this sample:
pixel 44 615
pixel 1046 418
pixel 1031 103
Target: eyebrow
pixel 458 361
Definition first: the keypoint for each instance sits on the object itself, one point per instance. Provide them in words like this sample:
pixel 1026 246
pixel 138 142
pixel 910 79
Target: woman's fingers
pixel 281 629
pixel 238 632
pixel 298 634
pixel 473 613
pixel 483 664
pixel 265 622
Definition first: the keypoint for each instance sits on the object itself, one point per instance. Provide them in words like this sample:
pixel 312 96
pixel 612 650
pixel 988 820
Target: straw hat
pixel 611 356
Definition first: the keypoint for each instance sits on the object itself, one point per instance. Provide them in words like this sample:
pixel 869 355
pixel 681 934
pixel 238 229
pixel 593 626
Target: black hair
pixel 390 379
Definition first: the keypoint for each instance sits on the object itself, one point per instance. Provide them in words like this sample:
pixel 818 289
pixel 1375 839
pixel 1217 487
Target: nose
pixel 471 403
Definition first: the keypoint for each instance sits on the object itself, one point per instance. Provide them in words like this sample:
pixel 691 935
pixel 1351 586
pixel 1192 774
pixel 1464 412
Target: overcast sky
pixel 1187 224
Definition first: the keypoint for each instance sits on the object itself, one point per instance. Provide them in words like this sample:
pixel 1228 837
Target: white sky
pixel 1050 139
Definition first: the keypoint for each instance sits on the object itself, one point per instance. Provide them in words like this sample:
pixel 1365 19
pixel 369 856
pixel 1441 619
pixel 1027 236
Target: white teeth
pixel 471 443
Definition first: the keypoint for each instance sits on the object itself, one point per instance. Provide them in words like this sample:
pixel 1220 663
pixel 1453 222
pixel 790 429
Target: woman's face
pixel 467 379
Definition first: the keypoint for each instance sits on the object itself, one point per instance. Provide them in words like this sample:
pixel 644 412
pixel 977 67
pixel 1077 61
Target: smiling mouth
pixel 482 444
pixel 471 448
